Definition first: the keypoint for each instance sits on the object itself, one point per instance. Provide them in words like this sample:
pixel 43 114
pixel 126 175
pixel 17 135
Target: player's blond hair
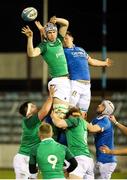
pixel 45 130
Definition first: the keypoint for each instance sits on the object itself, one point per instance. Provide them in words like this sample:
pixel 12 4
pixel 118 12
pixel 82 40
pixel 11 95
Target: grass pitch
pixel 9 174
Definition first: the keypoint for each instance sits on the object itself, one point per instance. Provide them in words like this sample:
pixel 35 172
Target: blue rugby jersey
pixel 106 137
pixel 77 61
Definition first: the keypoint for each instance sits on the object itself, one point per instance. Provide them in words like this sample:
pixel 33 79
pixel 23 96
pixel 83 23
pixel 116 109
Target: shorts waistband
pixel 63 76
pixel 84 81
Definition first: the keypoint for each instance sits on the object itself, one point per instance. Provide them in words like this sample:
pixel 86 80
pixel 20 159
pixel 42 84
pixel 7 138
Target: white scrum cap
pixel 50 27
pixel 109 107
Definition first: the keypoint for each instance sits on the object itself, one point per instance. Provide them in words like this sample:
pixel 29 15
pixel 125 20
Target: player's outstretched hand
pixel 113 119
pixel 53 20
pixel 40 28
pixel 27 31
pixel 52 91
pixel 105 149
pixel 109 62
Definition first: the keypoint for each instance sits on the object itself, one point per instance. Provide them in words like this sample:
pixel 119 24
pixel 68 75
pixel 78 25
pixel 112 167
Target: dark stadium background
pixel 85 22
pixel 86 19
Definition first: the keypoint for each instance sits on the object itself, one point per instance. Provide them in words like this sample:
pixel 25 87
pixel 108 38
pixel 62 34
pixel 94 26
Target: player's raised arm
pixel 106 150
pixel 58 122
pixel 46 107
pixel 63 24
pixel 41 29
pixel 119 125
pixel 31 51
pixel 99 63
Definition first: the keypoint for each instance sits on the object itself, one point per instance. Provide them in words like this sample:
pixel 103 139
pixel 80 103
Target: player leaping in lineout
pixel 52 52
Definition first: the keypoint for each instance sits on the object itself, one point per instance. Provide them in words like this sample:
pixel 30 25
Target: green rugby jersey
pixel 50 156
pixel 54 56
pixel 29 136
pixel 76 134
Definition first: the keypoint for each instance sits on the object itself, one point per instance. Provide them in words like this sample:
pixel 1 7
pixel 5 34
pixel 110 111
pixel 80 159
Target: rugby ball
pixel 29 14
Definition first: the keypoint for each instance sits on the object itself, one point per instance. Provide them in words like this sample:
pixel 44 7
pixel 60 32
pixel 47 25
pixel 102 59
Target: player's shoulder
pixel 80 48
pixel 43 43
pixel 43 46
pixel 61 146
pixel 105 119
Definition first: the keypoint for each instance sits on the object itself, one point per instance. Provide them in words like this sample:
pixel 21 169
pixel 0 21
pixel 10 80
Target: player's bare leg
pixel 72 176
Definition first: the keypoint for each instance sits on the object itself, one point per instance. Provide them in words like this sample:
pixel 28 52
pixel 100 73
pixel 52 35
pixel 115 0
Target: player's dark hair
pixel 69 33
pixel 73 111
pixel 23 108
